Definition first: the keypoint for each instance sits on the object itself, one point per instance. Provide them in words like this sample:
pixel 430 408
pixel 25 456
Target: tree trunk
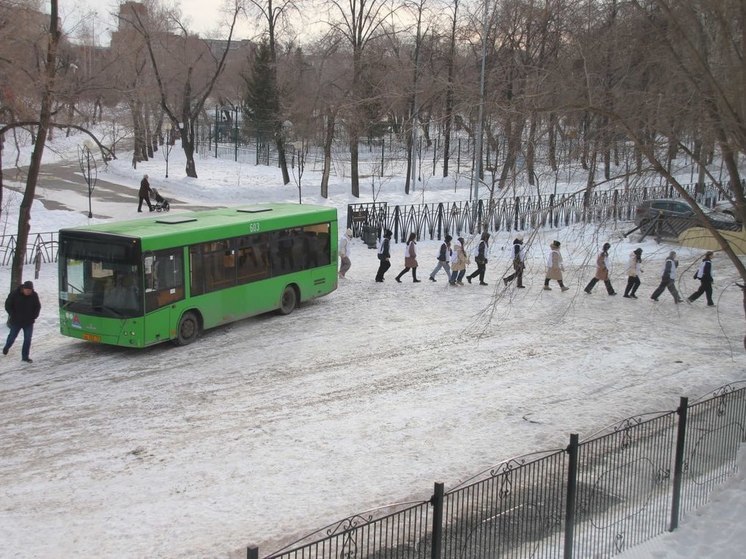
pixel 45 115
pixel 328 139
pixel 187 144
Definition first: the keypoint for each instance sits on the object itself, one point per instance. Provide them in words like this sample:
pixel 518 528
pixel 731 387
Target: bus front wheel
pixel 188 329
pixel 289 300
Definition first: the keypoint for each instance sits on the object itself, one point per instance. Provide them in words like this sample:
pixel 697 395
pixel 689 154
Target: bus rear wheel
pixel 188 329
pixel 289 300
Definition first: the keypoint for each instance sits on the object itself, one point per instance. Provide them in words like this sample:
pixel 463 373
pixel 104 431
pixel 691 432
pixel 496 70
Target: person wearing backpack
pixel 480 257
pixel 444 257
pixel 384 255
pixel 410 259
pixel 519 262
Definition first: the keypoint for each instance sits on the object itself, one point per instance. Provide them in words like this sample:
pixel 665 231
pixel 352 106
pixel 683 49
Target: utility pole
pixel 477 169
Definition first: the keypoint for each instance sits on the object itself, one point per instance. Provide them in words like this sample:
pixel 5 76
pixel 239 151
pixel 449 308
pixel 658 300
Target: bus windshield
pixel 100 277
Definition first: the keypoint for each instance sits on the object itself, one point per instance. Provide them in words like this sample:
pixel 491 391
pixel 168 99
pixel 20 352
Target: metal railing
pixel 596 498
pixel 435 220
pixel 41 246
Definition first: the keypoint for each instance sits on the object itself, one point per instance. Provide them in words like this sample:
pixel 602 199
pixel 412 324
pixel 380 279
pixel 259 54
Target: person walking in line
pixel 384 255
pixel 344 252
pixel 480 257
pixel 602 272
pixel 23 309
pixel 668 279
pixel 554 267
pixel 704 275
pixel 459 261
pixel 144 194
pixel 634 269
pixel 410 259
pixel 519 262
pixel 444 258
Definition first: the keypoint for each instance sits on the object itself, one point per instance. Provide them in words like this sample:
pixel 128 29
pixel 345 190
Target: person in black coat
pixel 481 259
pixel 384 255
pixel 704 275
pixel 23 309
pixel 144 194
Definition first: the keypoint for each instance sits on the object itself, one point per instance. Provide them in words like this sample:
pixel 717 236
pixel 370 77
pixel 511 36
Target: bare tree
pixel 183 106
pixel 45 117
pixel 272 12
pixel 359 22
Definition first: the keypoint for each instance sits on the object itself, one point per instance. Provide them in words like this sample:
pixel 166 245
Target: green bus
pixel 141 282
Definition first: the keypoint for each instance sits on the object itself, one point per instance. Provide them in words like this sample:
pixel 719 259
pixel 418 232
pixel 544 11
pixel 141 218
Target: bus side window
pixel 167 279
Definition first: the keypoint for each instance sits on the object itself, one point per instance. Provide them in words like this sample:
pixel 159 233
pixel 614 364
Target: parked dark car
pixel 677 216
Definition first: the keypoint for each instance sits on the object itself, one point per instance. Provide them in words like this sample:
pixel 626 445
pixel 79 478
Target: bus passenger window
pixel 166 283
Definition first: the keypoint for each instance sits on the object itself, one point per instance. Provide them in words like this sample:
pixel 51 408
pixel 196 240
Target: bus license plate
pixel 92 338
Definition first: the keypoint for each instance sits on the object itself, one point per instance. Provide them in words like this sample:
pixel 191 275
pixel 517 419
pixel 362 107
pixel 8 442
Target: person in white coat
pixel 554 267
pixel 344 253
pixel 634 269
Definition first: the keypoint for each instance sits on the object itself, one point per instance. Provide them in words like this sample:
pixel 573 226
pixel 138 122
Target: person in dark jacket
pixel 144 194
pixel 444 259
pixel 704 275
pixel 384 255
pixel 668 279
pixel 23 309
pixel 481 259
pixel 519 262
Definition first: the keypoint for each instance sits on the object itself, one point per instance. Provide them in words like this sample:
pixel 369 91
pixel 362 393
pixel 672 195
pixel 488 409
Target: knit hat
pixel 28 285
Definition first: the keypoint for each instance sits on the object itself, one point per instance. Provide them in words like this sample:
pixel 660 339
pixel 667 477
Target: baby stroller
pixel 161 204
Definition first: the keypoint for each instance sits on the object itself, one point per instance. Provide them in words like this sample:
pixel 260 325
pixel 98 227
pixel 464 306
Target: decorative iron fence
pixel 596 498
pixel 42 246
pixel 435 220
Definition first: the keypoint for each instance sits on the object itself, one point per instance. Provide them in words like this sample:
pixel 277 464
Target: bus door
pixel 164 286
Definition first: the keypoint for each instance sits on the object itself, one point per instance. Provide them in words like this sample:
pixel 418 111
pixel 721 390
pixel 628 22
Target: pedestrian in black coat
pixel 704 275
pixel 144 194
pixel 23 309
pixel 384 255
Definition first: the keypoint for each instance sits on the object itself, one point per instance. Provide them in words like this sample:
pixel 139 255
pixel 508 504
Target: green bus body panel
pixel 217 307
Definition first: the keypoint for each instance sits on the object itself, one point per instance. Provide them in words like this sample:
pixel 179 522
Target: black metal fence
pixel 435 220
pixel 595 498
pixel 42 246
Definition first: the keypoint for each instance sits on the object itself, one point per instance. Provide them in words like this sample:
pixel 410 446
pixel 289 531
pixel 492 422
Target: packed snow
pixel 270 428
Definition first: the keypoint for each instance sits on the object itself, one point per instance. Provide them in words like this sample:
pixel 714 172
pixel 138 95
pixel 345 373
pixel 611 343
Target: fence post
pixel 437 502
pixel 572 490
pixel 252 552
pixel 678 467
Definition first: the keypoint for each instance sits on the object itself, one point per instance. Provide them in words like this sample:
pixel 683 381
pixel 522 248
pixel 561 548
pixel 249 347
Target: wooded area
pixel 525 78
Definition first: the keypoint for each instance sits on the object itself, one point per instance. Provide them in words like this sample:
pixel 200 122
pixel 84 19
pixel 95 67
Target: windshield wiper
pixel 109 310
